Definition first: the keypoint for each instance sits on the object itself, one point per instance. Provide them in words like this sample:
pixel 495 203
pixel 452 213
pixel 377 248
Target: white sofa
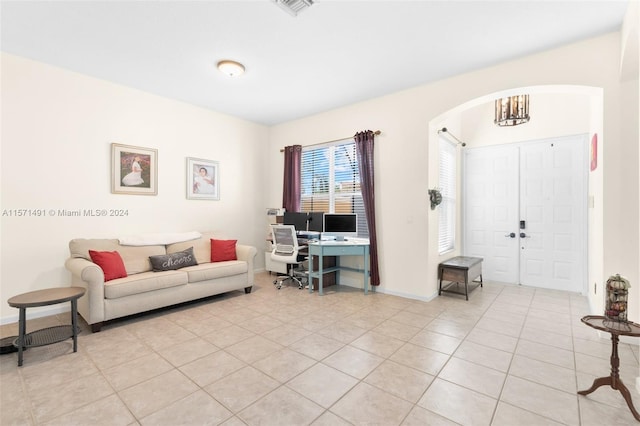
pixel 143 289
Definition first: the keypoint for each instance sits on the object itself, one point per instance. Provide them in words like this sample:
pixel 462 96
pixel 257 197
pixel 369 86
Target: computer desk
pixel 355 247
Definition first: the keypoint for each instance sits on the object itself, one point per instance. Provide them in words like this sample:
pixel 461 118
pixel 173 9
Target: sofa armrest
pixel 90 276
pixel 247 253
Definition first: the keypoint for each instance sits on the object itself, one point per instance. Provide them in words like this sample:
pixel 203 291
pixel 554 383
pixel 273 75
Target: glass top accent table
pixel 616 329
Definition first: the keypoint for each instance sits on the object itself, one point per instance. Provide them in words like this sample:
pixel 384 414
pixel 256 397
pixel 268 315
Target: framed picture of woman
pixel 134 170
pixel 203 179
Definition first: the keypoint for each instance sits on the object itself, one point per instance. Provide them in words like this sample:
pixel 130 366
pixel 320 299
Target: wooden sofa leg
pixel 247 290
pixel 95 328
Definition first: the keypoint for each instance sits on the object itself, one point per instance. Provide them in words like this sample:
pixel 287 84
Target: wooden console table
pixel 46 336
pixel 461 269
pixel 616 329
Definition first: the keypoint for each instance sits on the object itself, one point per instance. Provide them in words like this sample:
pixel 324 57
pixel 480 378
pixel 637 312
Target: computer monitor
pixel 340 225
pixel 297 219
pixel 316 221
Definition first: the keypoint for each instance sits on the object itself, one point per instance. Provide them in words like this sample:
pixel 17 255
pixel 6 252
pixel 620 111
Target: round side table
pixel 46 336
pixel 616 329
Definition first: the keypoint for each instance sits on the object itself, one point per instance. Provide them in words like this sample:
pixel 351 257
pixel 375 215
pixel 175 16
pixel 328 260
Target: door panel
pixel 553 204
pixel 490 182
pixel 542 183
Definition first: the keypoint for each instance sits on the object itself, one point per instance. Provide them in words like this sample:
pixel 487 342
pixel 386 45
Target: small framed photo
pixel 203 179
pixel 134 170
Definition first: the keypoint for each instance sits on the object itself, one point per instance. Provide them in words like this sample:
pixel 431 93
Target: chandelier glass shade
pixel 512 110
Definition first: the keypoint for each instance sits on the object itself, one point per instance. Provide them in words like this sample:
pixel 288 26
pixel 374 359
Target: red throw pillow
pixel 110 262
pixel 222 250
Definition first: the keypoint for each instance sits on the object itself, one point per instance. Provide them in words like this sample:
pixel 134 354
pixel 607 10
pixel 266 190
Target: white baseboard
pixel 405 295
pixel 355 281
pixel 37 313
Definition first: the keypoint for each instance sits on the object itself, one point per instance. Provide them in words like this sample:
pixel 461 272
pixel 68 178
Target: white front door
pixel 490 179
pixel 553 203
pixel 544 184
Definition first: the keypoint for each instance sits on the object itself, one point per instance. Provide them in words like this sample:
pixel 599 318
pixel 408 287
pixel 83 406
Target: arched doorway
pixel 556 111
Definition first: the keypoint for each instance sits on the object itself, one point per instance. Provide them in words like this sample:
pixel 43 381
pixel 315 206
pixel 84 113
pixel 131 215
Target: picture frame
pixel 134 170
pixel 203 179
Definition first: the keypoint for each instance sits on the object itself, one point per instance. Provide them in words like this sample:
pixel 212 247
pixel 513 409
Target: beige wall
pixel 57 127
pixel 406 154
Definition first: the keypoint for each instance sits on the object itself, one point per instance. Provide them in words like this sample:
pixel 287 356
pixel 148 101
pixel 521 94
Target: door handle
pixel 523 235
pixel 511 235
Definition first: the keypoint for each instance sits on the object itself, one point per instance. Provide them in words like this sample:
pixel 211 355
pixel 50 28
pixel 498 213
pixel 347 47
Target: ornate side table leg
pixel 627 397
pixel 614 379
pixel 601 381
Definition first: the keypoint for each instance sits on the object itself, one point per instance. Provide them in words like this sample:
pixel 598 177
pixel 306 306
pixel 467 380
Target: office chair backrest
pixel 285 243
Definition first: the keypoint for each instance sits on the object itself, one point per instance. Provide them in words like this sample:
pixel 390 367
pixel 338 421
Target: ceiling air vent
pixel 293 7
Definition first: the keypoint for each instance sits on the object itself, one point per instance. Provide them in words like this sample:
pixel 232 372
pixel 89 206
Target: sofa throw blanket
pixel 161 239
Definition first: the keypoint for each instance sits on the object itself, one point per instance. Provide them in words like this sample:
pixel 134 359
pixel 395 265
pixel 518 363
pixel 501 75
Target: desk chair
pixel 286 250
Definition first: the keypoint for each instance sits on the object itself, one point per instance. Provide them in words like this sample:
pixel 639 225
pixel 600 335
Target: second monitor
pixel 302 221
pixel 298 220
pixel 316 221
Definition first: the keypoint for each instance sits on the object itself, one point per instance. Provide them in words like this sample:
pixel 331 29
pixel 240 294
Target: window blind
pixel 331 181
pixel 447 185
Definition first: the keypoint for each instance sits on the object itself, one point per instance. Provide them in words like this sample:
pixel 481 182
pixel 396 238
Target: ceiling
pixel 335 53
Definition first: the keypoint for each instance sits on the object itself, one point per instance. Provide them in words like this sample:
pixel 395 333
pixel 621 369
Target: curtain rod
pixel 444 130
pixel 377 132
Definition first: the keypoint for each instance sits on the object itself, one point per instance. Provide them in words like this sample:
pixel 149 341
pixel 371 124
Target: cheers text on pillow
pixel 110 262
pixel 168 262
pixel 222 250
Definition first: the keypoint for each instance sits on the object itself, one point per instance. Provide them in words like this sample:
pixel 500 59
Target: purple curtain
pixel 292 177
pixel 364 148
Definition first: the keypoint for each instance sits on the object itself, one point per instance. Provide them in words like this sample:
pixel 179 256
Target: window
pixel 331 181
pixel 447 209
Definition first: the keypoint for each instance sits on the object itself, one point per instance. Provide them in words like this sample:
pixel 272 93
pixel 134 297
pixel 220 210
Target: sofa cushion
pixel 169 262
pixel 136 259
pixel 143 282
pixel 223 250
pixel 110 262
pixel 209 271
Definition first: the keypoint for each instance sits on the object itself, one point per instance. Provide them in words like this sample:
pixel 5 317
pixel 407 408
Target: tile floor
pixel 509 356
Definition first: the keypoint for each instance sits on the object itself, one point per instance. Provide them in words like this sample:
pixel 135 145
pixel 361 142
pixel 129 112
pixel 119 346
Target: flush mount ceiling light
pixel 231 68
pixel 293 7
pixel 512 110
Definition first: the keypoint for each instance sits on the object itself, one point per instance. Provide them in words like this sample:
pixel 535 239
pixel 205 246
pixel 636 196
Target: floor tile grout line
pixel 506 377
pixel 406 308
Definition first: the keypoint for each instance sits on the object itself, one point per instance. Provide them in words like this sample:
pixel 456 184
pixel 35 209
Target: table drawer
pixel 342 251
pixel 453 274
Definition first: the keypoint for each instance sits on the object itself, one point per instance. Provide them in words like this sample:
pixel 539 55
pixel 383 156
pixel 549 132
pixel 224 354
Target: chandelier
pixel 512 110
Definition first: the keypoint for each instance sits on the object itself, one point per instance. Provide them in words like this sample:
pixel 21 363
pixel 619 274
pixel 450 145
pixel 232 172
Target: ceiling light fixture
pixel 512 110
pixel 293 7
pixel 231 68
